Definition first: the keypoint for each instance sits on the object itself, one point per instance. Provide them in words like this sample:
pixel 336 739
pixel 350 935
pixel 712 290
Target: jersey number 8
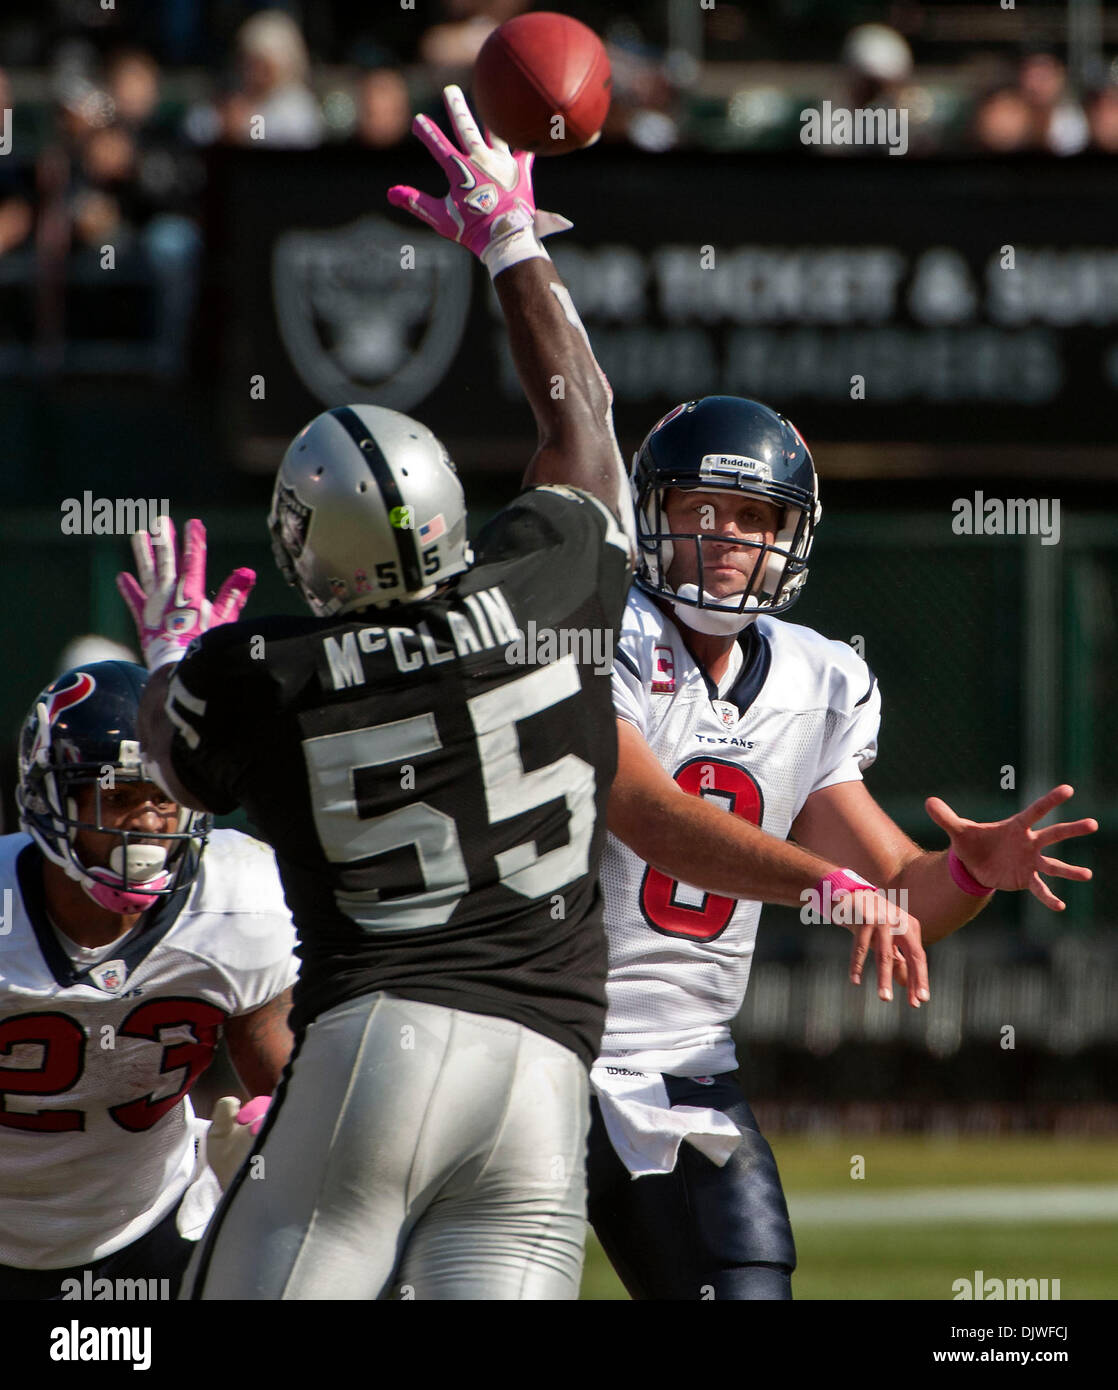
pixel 675 908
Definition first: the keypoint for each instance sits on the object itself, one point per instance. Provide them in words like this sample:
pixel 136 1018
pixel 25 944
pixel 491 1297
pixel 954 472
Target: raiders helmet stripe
pixel 385 480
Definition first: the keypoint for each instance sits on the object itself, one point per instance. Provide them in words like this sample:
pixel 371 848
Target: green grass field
pixel 843 1256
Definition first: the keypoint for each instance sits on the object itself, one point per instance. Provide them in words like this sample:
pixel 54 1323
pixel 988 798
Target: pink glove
pixel 230 1135
pixel 490 208
pixel 253 1112
pixel 169 604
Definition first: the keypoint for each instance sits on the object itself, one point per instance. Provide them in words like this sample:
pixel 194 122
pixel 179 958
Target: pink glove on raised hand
pixel 169 604
pixel 490 209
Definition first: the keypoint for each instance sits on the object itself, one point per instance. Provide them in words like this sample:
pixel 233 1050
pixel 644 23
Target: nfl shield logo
pixel 726 712
pixel 484 200
pixel 110 977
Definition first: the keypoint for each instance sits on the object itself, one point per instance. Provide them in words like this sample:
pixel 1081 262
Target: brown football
pixel 542 82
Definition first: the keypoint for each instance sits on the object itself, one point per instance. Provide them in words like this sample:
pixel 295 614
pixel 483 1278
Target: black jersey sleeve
pixel 574 533
pixel 216 701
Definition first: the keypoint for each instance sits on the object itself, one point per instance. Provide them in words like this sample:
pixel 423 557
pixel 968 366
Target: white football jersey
pixel 96 1138
pixel 797 712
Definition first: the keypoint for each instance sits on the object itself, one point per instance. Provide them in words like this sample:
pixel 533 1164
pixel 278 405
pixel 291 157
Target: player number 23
pixel 335 759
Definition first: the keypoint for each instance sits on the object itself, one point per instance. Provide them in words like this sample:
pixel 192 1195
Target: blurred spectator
pixel 643 102
pixel 383 115
pixel 273 66
pixel 1003 122
pixel 124 180
pixel 16 218
pixel 878 75
pixel 16 221
pixel 455 43
pixel 1058 123
pixel 1102 120
pixel 133 84
pixel 878 62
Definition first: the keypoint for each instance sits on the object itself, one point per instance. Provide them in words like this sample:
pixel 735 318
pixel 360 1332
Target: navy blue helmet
pixel 82 730
pixel 726 443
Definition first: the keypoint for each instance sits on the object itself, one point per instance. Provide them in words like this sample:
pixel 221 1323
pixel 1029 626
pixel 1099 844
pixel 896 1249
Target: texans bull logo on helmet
pixel 80 688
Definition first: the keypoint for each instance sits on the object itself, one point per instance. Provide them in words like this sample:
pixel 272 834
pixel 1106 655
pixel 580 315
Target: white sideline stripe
pixel 924 1205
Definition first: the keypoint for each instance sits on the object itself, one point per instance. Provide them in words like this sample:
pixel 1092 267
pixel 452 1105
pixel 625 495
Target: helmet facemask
pixel 779 572
pixel 144 867
pixel 741 448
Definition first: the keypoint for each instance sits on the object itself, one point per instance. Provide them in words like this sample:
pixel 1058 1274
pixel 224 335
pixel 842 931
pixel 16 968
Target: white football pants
pixel 415 1151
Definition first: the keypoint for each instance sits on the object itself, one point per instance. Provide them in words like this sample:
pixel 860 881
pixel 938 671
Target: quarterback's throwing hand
pixel 1009 854
pixel 490 208
pixel 169 604
pixel 893 935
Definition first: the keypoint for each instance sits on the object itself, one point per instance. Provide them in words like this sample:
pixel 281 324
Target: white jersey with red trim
pixel 96 1135
pixel 795 713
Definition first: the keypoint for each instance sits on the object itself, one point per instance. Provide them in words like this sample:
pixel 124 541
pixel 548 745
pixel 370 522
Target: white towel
pixel 202 1196
pixel 646 1130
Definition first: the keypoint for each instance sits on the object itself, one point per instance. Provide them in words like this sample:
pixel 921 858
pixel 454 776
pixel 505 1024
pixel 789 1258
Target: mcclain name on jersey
pixel 487 622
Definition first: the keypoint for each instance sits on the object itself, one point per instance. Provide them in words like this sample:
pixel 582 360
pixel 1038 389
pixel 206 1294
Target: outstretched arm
pixel 689 839
pixel 566 389
pixel 490 208
pixel 946 888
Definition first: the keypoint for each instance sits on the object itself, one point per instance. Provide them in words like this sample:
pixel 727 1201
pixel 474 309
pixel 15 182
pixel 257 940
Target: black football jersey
pixel 433 775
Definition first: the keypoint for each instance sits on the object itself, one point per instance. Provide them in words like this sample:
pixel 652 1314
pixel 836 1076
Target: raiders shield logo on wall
pixel 372 312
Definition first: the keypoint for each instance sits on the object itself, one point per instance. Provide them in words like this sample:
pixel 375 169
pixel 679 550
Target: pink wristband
pixel 964 881
pixel 838 883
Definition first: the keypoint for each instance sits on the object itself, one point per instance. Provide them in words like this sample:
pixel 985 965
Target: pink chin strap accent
pixel 114 899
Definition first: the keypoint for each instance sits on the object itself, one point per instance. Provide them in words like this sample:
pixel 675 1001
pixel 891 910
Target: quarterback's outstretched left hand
pixel 1009 854
pixel 169 604
pixel 490 208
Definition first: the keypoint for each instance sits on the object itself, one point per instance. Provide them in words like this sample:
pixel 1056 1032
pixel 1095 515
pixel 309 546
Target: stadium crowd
pixel 111 115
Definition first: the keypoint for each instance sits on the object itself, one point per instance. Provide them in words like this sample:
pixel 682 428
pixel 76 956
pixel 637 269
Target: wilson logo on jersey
pixel 663 671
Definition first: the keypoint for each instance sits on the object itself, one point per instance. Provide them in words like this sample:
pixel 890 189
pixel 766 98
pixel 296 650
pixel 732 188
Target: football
pixel 542 82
